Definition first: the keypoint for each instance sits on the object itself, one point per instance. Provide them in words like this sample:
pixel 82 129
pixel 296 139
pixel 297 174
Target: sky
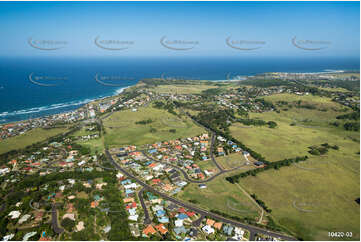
pixel 85 29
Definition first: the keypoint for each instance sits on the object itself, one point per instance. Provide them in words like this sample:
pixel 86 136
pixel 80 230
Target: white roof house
pixel 208 229
pixel 178 223
pixel 14 214
pixel 133 217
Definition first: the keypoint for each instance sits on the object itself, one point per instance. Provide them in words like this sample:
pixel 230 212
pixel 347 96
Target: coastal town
pixel 88 182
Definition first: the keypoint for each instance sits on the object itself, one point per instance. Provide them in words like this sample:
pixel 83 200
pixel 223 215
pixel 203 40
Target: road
pixel 147 219
pixel 185 174
pixel 253 229
pixel 54 220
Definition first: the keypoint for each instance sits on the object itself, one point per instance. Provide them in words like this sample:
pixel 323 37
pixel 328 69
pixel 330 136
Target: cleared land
pixel 222 196
pixel 231 161
pixel 315 196
pixel 183 89
pixel 297 129
pixel 30 137
pixel 121 127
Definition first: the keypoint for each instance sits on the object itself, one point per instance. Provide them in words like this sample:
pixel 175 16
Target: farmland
pixel 314 196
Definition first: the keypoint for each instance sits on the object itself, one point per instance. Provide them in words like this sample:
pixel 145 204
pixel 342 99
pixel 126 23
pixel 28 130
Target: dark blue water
pixel 63 84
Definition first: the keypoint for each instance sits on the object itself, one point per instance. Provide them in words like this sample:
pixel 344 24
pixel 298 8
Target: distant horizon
pixel 119 29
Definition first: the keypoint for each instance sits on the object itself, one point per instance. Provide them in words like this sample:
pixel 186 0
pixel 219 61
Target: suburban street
pixel 253 229
pixel 147 219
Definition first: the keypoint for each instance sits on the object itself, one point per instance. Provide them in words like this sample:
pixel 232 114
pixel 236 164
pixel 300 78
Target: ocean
pixel 36 87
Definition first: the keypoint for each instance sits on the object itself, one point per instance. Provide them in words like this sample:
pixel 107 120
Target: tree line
pixel 269 165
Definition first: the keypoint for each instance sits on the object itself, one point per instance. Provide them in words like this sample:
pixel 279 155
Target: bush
pixel 68 224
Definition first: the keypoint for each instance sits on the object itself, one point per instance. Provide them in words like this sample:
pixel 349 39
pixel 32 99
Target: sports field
pixel 121 127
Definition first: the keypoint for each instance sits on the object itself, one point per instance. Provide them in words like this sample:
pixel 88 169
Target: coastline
pixel 78 104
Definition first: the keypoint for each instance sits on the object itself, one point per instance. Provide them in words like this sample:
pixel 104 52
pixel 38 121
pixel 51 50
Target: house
pixel 182 216
pixel 132 211
pixel 163 220
pixel 94 204
pixel 202 186
pixel 210 222
pixel 238 233
pixel 100 185
pixel 79 226
pixel 149 230
pixel 178 223
pixel 217 225
pixel 208 229
pixel 156 181
pixel 245 153
pixel 38 216
pixel 180 230
pixel 161 228
pixel 69 216
pixel 160 213
pixel 133 217
pixel 70 208
pixel 8 237
pixel 128 200
pixel 28 235
pixel 14 214
pixel 24 218
pixel 227 229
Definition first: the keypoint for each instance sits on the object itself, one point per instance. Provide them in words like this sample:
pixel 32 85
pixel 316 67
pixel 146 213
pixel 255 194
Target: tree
pixel 68 224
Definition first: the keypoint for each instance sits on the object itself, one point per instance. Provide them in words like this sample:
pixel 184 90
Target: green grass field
pixel 121 127
pixel 231 161
pixel 30 137
pixel 207 164
pixel 222 196
pixel 182 89
pixel 315 196
pixel 310 127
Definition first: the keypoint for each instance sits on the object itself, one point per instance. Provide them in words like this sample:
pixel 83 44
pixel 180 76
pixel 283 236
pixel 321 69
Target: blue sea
pixel 35 87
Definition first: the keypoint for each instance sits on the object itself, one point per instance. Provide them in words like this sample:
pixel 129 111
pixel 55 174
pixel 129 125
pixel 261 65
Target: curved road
pixel 185 174
pixel 54 220
pixel 147 219
pixel 253 229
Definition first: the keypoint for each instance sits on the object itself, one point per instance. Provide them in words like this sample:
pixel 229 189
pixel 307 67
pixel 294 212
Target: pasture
pixel 121 127
pixel 315 196
pixel 222 196
pixel 28 138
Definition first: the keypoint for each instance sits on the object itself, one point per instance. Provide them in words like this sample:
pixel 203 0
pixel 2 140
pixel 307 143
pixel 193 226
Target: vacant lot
pixel 222 196
pixel 231 161
pixel 30 137
pixel 121 127
pixel 183 89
